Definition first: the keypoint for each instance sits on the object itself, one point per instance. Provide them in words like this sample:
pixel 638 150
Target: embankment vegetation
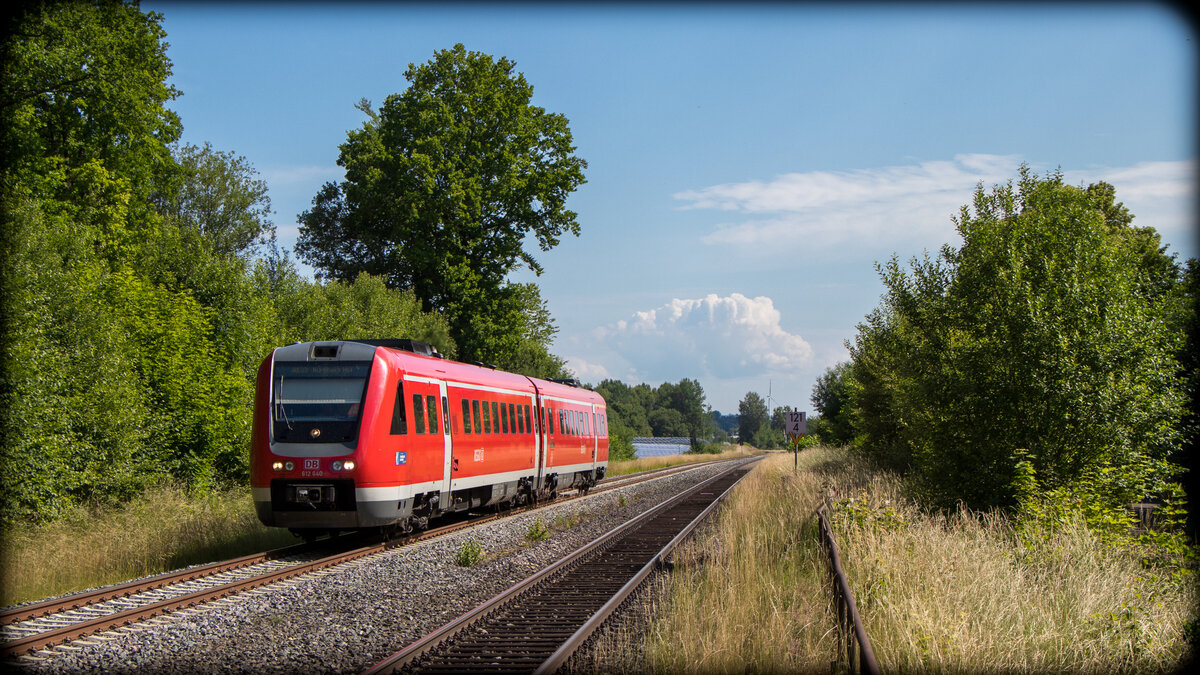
pixel 143 285
pixel 163 529
pixel 940 591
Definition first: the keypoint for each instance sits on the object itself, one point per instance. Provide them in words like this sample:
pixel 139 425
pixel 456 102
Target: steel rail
pixel 113 620
pixel 431 641
pixel 78 600
pixel 124 618
pixel 848 616
pixel 579 637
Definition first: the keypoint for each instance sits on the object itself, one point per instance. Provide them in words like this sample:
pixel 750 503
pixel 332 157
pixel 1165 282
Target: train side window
pixel 522 419
pixel 495 417
pixel 445 415
pixel 487 418
pixel 418 414
pixel 475 414
pixel 399 423
pixel 504 417
pixel 548 419
pixel 512 416
pixel 466 406
pixel 431 400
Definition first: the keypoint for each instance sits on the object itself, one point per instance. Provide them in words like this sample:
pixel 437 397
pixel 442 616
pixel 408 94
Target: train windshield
pixel 326 392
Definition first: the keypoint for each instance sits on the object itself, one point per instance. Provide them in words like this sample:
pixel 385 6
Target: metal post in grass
pixel 849 622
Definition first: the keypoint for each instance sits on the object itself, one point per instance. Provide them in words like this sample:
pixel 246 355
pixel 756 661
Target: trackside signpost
pixel 797 426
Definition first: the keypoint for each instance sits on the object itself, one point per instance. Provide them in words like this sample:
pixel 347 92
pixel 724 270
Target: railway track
pixel 539 623
pixel 38 626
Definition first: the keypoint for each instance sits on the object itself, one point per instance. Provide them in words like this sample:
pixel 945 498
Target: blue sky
pixel 748 164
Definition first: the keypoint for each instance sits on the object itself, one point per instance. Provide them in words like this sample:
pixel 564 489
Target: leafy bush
pixel 469 554
pixel 537 531
pixel 1040 332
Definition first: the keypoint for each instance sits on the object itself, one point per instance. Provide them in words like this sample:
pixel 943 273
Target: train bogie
pixel 358 434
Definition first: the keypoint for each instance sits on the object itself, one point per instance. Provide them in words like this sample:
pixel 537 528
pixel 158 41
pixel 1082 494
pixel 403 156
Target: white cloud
pixel 1161 195
pixel 587 371
pixel 718 337
pixel 282 177
pixel 913 204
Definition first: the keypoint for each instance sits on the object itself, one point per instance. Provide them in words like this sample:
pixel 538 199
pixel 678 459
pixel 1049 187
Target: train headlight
pixel 288 466
pixel 337 466
pixel 277 466
pixel 348 465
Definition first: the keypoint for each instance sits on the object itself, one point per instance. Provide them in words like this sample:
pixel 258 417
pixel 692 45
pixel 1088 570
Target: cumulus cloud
pixel 586 370
pixel 717 337
pixel 912 204
pixel 1161 195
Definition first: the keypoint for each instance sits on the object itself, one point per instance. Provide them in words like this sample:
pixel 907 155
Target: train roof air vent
pixel 325 351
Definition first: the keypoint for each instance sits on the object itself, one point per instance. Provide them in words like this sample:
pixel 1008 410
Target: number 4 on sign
pixel 797 424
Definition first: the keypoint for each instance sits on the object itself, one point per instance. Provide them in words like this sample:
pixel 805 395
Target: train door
pixel 539 407
pixel 447 442
pixel 594 432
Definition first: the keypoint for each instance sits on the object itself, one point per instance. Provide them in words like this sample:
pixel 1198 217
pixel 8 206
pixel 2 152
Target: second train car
pixel 387 434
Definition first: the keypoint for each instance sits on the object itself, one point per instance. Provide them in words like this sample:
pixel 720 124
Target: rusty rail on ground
pixel 851 633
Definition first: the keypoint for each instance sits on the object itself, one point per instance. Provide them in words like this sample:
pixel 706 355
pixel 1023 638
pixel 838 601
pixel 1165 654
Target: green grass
pixel 162 530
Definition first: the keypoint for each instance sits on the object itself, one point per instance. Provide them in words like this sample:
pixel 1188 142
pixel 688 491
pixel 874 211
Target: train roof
pixel 420 358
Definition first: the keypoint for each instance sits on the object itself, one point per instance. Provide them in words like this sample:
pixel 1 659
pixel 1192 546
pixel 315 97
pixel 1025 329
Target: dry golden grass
pixel 749 596
pixel 163 530
pixel 961 593
pixel 939 593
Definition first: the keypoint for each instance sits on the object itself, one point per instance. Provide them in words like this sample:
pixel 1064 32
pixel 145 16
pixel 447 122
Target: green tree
pixel 688 398
pixel 220 195
pixel 831 397
pixel 82 93
pixel 444 184
pixel 1037 346
pixel 752 416
pixel 627 406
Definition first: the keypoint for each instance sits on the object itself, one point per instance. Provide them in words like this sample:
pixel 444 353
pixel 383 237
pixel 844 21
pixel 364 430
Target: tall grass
pixel 749 596
pixel 941 593
pixel 961 592
pixel 162 530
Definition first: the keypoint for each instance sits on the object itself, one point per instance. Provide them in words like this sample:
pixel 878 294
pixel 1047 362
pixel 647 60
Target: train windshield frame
pixel 307 393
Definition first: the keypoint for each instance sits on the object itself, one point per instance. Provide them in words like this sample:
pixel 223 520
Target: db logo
pixel 312 464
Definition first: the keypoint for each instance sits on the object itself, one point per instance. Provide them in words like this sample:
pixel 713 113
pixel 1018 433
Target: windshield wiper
pixel 279 402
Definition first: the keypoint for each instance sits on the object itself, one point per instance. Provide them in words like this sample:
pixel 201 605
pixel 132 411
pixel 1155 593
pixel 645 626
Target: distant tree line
pixel 669 410
pixel 143 285
pixel 1051 356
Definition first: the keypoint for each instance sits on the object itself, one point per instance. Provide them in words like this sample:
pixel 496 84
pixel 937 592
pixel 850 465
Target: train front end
pixel 314 439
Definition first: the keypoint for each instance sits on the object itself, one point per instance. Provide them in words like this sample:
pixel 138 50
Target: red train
pixel 387 434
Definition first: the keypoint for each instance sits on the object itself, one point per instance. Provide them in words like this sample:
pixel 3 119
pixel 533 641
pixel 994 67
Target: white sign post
pixel 797 426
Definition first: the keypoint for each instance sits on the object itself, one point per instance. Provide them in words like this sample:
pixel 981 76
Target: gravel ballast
pixel 349 617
